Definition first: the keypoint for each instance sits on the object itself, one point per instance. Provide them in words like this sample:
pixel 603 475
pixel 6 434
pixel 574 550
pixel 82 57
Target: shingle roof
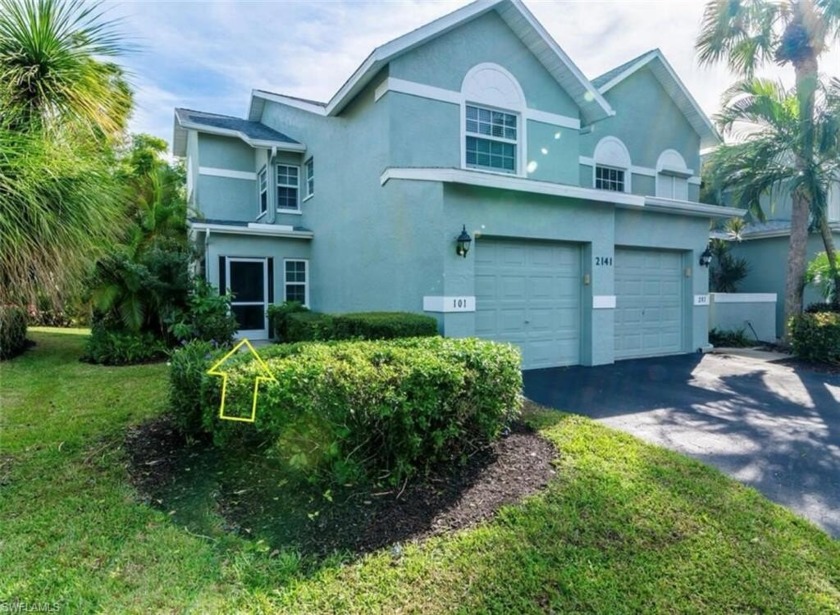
pixel 615 72
pixel 252 130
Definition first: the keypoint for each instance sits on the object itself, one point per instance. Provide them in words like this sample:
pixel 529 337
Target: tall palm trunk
pixel 831 253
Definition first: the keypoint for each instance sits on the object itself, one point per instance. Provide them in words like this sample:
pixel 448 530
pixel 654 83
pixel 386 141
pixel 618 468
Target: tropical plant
pixel 747 34
pixel 61 109
pixel 819 274
pixel 726 271
pixel 765 159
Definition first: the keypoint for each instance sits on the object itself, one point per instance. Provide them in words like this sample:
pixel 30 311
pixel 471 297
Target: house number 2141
pixel 603 261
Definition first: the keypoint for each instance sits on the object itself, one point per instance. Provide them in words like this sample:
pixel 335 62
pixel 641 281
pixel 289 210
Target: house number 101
pixel 459 303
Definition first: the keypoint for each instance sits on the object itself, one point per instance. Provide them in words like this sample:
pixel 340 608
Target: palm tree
pixel 765 158
pixel 749 33
pixel 62 108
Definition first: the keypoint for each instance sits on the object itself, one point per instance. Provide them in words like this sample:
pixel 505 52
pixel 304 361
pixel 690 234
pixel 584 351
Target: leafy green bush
pixel 278 317
pixel 819 275
pixel 12 331
pixel 108 347
pixel 726 338
pixel 816 337
pixel 384 325
pixel 207 316
pixel 309 327
pixel 349 411
pixel 186 379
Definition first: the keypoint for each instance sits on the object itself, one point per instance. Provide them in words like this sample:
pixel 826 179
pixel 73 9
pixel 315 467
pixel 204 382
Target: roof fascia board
pixel 289 101
pixel 567 61
pixel 706 142
pixel 383 54
pixel 250 230
pixel 255 143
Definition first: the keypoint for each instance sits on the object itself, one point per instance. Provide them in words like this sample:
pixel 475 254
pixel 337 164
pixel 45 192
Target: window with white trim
pixel 296 284
pixel 672 176
pixel 608 178
pixel 262 186
pixel 309 165
pixel 491 139
pixel 288 188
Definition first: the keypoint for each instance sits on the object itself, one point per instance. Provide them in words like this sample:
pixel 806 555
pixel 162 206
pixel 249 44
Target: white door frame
pixel 257 334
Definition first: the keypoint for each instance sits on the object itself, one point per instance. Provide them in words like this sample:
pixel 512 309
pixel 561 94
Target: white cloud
pixel 210 55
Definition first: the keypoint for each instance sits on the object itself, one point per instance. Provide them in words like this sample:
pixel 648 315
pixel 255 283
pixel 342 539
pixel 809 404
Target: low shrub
pixel 207 316
pixel 12 331
pixel 816 337
pixel 309 327
pixel 278 317
pixel 384 325
pixel 728 338
pixel 109 347
pixel 348 411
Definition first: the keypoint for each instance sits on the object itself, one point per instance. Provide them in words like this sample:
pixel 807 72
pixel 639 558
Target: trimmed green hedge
pixel 362 410
pixel 122 347
pixel 291 322
pixel 12 331
pixel 816 337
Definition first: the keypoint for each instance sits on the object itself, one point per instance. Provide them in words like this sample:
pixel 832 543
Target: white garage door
pixel 649 303
pixel 528 293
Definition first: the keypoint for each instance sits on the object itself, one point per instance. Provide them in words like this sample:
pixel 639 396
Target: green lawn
pixel 624 528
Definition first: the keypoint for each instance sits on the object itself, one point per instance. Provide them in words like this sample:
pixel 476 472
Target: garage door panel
pixel 536 301
pixel 649 302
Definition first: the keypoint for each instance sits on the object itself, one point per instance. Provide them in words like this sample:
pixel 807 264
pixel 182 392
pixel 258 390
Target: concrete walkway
pixel 769 426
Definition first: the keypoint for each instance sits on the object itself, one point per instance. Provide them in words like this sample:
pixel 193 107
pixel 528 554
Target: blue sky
pixel 210 55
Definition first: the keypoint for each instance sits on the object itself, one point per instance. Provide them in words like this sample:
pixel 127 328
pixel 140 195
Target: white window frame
pixel 262 188
pixel 309 179
pixel 671 168
pixel 305 281
pixel 492 138
pixel 286 210
pixel 624 175
pixel 611 153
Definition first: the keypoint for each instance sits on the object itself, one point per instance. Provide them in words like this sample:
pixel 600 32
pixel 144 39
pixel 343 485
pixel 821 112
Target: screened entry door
pixel 248 282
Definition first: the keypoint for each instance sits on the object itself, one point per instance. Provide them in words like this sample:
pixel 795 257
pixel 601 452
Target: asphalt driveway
pixel 769 426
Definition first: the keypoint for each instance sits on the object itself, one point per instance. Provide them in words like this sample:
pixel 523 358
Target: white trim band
pixel 449 304
pixel 421 90
pixel 228 173
pixel 271 230
pixel 744 297
pixel 603 302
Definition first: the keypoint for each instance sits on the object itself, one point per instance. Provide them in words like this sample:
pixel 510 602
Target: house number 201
pixel 603 261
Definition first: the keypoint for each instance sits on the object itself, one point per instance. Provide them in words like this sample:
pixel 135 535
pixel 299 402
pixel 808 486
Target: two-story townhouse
pixel 580 197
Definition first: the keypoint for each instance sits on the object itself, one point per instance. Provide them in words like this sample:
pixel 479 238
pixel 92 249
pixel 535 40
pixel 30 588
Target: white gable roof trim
pixel 593 105
pixel 673 85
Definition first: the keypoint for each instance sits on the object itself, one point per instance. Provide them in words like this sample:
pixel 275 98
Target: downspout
pixel 207 257
pixel 271 181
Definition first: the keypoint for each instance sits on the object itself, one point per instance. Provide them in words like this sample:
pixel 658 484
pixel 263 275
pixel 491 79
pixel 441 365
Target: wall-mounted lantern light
pixel 706 257
pixel 462 244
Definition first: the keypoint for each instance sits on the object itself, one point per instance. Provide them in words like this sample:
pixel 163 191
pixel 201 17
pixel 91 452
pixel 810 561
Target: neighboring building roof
pixel 253 133
pixel 592 104
pixel 671 83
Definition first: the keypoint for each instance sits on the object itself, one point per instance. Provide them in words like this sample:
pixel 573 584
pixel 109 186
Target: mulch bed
pixel 822 368
pixel 164 469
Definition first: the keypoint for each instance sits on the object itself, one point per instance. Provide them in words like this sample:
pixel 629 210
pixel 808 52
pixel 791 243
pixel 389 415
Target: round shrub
pixel 350 411
pixel 816 336
pixel 12 331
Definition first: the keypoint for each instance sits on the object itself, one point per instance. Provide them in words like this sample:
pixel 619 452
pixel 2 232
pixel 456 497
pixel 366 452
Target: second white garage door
pixel 649 303
pixel 528 293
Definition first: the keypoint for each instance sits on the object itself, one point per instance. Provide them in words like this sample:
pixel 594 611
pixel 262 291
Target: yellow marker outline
pixel 213 371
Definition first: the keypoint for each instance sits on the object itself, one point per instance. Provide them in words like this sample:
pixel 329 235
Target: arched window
pixel 672 176
pixel 493 135
pixel 612 165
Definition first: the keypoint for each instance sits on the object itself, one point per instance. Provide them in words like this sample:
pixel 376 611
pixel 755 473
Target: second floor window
pixel 262 183
pixel 491 139
pixel 607 178
pixel 288 187
pixel 310 177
